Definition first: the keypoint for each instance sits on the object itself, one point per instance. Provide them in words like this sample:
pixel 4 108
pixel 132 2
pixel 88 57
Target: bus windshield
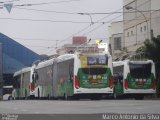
pixel 97 60
pixel 94 71
pixel 140 70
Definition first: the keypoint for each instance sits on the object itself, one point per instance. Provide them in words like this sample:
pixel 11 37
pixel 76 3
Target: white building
pixel 155 17
pixel 141 21
pixel 79 43
pixel 116 38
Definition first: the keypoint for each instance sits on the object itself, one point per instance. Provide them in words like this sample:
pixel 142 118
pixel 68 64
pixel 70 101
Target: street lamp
pixel 89 16
pixel 131 8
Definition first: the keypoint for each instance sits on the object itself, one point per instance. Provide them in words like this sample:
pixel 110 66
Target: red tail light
pixel 111 82
pixel 126 84
pixel 76 82
pixel 32 87
pixel 154 84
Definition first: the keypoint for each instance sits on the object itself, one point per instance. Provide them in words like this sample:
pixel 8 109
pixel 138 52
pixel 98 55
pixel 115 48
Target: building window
pixel 145 28
pixel 127 34
pixel 131 32
pixel 141 29
pixel 117 43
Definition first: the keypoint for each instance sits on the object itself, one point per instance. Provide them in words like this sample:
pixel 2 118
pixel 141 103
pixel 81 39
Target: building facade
pixel 155 17
pixel 141 21
pixel 14 57
pixel 116 39
pixel 79 43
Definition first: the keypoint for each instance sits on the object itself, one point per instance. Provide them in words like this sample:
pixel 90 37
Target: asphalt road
pixel 79 107
pixel 76 110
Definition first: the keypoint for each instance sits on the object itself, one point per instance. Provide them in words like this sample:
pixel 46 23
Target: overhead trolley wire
pixel 46 3
pixel 98 21
pixel 85 28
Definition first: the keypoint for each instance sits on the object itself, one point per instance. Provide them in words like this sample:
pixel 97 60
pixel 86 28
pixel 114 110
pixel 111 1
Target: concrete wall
pixel 115 31
pixel 116 27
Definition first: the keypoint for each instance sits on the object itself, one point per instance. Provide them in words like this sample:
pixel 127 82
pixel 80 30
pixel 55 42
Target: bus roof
pixel 141 62
pixel 23 70
pixel 45 63
pixel 65 57
pixel 119 63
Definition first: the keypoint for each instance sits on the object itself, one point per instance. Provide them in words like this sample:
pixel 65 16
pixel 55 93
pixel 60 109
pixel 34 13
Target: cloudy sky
pixel 43 25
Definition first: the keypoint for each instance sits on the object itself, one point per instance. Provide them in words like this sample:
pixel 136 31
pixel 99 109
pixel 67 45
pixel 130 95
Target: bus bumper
pixel 139 91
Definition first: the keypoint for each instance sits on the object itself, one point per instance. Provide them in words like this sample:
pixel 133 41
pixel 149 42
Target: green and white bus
pixel 22 79
pixel 80 75
pixel 134 78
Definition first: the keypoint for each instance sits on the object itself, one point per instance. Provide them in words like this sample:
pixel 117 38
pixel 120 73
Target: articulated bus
pixel 134 78
pixel 74 75
pixel 22 83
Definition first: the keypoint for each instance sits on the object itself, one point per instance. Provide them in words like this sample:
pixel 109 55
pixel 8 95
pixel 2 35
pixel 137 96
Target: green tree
pixel 151 49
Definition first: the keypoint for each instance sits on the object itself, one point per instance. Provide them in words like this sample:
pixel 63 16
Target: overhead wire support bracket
pixel 89 16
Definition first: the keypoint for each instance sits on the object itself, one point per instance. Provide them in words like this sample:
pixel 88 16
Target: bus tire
pixel 10 98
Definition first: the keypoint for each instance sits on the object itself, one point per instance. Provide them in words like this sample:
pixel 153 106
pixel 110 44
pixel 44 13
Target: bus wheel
pixel 10 98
